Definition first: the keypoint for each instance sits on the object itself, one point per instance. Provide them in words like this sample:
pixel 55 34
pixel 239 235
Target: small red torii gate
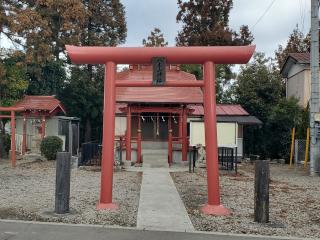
pixel 208 56
pixel 12 111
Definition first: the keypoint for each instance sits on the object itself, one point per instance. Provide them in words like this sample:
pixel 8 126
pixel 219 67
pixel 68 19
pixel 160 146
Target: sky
pixel 271 30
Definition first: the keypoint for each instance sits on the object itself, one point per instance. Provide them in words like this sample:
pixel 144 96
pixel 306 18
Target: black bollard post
pixel 261 188
pixel 189 163
pixel 194 158
pixel 120 149
pixel 63 169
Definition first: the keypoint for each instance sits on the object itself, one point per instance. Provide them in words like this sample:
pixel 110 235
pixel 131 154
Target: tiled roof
pixel 44 103
pixel 301 57
pixel 222 110
pixel 157 94
pixel 292 59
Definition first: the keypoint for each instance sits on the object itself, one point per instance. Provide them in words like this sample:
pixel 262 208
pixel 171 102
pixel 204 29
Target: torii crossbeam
pixel 208 56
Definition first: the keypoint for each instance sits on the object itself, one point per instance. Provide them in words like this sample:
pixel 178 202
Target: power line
pixel 265 12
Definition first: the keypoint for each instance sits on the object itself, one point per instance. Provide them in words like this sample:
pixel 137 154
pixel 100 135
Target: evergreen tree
pixel 13 81
pixel 104 25
pixel 297 43
pixel 155 39
pixel 43 28
pixel 206 23
pixel 261 91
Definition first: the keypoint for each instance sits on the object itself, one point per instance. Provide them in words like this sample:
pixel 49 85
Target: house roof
pixel 40 103
pixel 222 110
pixel 245 120
pixel 294 58
pixel 157 94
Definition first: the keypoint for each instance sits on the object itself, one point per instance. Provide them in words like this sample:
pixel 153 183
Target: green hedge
pixel 7 142
pixel 49 147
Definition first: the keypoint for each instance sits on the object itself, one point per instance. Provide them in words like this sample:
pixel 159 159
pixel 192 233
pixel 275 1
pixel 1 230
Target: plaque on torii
pixel 159 71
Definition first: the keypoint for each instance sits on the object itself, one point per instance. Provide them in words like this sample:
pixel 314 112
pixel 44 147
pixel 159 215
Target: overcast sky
pixel 273 29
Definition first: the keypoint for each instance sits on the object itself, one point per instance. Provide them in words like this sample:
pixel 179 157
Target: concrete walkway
pixel 160 206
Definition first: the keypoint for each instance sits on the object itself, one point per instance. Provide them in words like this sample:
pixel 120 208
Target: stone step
pixel 155 158
pixel 154 145
pixel 155 151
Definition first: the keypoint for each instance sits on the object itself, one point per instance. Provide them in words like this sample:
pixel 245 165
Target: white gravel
pixel 294 202
pixel 27 193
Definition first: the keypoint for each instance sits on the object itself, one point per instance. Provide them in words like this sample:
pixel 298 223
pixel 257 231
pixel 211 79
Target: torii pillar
pixel 173 55
pixel 12 111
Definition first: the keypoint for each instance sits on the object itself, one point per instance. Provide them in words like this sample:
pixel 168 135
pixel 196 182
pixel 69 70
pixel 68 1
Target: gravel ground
pixel 27 193
pixel 294 202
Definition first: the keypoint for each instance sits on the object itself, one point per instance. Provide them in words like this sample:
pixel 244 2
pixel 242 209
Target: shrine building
pixel 44 116
pixel 153 117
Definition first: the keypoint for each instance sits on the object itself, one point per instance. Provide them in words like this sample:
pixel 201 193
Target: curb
pixel 158 230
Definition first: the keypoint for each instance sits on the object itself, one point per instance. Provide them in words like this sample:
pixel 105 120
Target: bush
pixel 50 146
pixel 7 142
pixel 5 145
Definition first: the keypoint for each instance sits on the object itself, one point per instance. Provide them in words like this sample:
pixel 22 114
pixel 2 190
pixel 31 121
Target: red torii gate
pixel 12 111
pixel 208 56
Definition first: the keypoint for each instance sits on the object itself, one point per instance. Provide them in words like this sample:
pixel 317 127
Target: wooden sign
pixel 159 70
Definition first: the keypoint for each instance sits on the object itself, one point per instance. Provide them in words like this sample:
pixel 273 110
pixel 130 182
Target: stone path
pixel 160 206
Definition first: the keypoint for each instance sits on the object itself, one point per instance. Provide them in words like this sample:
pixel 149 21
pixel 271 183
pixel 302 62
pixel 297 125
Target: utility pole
pixel 315 91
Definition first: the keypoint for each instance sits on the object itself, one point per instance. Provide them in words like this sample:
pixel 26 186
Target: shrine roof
pixel 40 103
pixel 157 94
pixel 222 109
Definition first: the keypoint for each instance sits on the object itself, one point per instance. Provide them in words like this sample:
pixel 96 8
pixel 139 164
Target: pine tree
pixel 206 23
pixel 105 23
pixel 155 39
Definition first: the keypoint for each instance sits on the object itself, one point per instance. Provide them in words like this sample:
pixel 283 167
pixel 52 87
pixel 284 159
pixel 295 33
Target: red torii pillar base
pixel 110 206
pixel 213 207
pixel 217 210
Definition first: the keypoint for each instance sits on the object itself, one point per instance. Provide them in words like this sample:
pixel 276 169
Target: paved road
pixel 36 231
pixel 160 205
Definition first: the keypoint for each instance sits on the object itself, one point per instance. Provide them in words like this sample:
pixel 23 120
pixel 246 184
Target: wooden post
pixel 170 147
pixel 180 124
pixel 63 168
pixel 121 147
pixel 292 146
pixel 261 191
pixel 306 156
pixel 13 139
pixel 170 160
pixel 139 139
pixel 184 135
pixel 24 135
pixel 128 135
pixel 43 127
